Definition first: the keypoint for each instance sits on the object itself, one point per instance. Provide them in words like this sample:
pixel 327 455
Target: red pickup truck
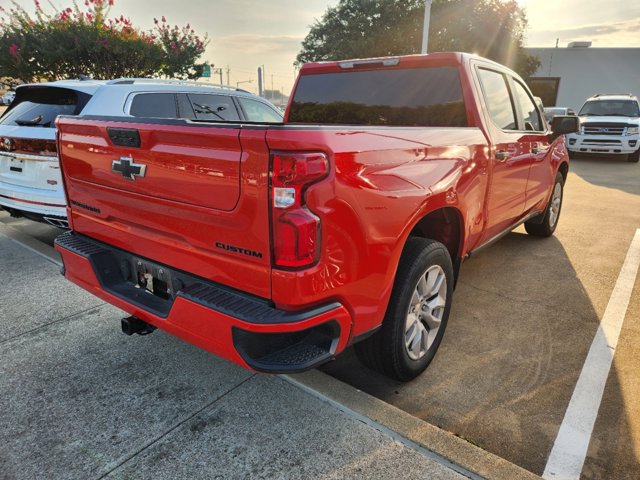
pixel 276 246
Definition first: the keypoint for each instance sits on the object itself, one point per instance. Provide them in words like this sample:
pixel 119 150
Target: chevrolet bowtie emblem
pixel 7 144
pixel 128 169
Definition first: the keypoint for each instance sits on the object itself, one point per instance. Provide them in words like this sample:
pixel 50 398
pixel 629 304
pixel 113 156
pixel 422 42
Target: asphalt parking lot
pixel 525 313
pixel 524 316
pixel 80 400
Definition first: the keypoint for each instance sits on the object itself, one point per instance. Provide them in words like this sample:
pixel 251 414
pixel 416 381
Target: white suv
pixel 30 179
pixel 608 124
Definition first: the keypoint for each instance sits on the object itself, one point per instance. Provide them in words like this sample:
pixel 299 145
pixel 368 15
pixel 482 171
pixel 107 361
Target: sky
pixel 245 34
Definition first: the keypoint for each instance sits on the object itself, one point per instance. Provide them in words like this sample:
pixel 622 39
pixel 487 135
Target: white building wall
pixel 584 72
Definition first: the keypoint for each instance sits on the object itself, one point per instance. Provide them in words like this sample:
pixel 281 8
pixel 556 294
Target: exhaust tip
pixel 57 222
pixel 131 325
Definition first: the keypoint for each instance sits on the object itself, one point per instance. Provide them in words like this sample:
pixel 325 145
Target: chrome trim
pixel 26 156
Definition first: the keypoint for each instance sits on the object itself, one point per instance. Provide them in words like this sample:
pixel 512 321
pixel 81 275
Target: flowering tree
pixel 89 41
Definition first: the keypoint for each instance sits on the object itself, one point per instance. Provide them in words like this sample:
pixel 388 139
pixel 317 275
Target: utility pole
pixel 228 72
pixel 259 81
pixel 264 80
pixel 217 71
pixel 425 26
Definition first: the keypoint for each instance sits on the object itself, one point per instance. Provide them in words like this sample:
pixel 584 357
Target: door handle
pixel 502 155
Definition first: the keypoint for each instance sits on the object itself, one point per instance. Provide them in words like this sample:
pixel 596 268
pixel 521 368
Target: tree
pixel 374 28
pixel 78 41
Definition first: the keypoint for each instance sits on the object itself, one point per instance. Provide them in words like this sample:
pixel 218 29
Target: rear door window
pixel 40 106
pixel 154 105
pixel 425 97
pixel 256 111
pixel 217 108
pixel 497 99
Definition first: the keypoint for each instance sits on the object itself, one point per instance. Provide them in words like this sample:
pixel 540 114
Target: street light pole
pixel 425 26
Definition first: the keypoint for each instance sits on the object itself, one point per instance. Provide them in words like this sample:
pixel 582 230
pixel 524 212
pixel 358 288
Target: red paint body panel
pixel 209 184
pixel 180 234
pixel 380 185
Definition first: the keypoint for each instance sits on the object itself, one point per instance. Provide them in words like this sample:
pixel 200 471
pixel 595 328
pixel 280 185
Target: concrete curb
pixel 459 454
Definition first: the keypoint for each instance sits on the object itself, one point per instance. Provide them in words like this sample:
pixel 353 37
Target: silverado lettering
pixel 385 175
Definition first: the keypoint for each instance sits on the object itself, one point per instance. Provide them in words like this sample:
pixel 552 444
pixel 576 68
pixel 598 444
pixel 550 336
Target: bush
pixel 86 41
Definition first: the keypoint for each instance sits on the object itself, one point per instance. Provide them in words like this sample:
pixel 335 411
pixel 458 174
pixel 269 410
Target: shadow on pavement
pixel 519 332
pixel 619 174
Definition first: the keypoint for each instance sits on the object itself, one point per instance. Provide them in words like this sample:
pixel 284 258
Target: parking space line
pixel 570 447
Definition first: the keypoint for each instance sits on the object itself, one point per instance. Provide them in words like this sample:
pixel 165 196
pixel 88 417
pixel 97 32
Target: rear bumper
pixel 238 327
pixel 33 200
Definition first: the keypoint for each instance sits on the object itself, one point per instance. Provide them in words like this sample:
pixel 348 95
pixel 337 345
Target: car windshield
pixel 40 106
pixel 613 108
pixel 555 111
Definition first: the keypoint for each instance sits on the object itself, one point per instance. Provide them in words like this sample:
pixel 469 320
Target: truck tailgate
pixel 194 197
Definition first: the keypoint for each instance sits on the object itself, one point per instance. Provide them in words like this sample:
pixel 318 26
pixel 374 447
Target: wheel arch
pixel 445 225
pixel 563 169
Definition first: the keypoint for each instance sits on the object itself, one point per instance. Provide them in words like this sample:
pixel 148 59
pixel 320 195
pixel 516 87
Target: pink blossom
pixel 14 50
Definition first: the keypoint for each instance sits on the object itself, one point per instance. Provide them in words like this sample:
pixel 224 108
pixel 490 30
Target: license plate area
pixel 15 165
pixel 153 279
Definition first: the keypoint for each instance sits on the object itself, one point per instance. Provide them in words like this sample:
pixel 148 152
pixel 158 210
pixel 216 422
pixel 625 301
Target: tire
pixel 424 283
pixel 634 157
pixel 545 226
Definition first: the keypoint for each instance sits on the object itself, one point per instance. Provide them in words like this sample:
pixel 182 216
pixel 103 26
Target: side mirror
pixel 563 124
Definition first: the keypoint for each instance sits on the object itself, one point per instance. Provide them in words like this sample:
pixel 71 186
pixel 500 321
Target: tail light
pixel 296 231
pixel 29 146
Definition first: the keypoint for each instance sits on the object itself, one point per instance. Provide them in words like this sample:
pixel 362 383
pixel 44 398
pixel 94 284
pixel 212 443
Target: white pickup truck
pixel 609 124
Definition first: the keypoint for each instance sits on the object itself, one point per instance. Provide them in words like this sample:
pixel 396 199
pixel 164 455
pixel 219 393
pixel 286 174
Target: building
pixel 568 76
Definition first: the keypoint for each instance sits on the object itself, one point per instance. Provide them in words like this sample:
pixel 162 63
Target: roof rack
pixel 129 81
pixel 613 95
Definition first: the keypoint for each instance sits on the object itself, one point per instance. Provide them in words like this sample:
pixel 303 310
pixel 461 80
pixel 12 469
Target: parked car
pixel 550 112
pixel 276 247
pixel 30 180
pixel 8 97
pixel 609 124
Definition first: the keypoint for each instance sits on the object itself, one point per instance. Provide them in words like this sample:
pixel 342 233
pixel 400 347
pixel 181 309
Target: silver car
pixel 30 179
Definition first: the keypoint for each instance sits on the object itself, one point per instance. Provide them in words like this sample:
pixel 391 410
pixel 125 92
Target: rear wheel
pixel 417 313
pixel 634 157
pixel 545 224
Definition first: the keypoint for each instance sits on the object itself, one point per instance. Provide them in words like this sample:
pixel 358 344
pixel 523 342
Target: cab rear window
pixel 40 106
pixel 426 97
